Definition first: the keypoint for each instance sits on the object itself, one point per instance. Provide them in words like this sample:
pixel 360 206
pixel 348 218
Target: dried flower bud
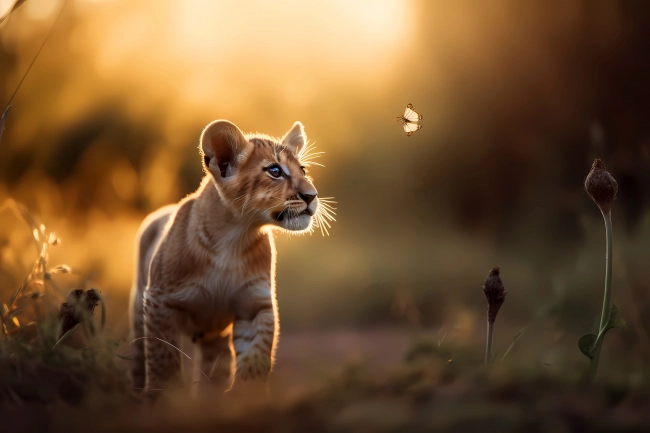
pixel 494 292
pixel 80 304
pixel 601 186
pixel 67 317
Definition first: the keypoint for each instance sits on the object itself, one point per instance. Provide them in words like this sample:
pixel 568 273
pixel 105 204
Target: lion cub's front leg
pixel 254 332
pixel 163 359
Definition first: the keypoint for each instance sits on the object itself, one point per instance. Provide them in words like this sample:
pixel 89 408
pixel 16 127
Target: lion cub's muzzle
pixel 299 204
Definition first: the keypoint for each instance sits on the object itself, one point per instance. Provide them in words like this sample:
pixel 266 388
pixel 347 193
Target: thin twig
pixel 49 32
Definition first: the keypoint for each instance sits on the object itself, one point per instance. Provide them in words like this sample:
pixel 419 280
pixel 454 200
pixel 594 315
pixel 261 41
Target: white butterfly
pixel 410 120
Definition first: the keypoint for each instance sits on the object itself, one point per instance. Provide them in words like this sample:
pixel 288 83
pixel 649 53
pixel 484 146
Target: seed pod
pixel 601 186
pixel 80 305
pixel 494 292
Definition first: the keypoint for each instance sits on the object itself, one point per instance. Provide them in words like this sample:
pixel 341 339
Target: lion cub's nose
pixel 307 198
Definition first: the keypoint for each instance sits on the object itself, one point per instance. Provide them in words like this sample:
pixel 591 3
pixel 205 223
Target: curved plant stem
pixel 488 344
pixel 604 318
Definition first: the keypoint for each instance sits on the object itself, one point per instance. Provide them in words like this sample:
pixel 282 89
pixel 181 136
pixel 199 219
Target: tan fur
pixel 206 266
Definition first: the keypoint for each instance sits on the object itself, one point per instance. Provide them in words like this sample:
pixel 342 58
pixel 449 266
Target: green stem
pixel 593 365
pixel 488 344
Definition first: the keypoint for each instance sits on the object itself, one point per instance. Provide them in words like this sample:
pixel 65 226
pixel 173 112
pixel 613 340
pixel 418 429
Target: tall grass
pixel 58 341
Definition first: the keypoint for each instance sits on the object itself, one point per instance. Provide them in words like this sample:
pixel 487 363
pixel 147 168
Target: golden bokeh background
pixel 517 98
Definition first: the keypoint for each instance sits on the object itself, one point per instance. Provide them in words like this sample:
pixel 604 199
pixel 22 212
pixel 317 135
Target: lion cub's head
pixel 263 180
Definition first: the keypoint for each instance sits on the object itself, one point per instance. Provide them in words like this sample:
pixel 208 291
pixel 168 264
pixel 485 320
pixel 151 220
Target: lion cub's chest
pixel 224 275
pixel 208 285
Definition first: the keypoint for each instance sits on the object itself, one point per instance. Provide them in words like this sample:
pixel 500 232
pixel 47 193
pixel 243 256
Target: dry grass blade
pixel 126 357
pixel 3 120
pixel 442 339
pixel 18 291
pixel 11 313
pixel 516 337
pixel 47 36
pixel 21 211
pixel 103 307
pixel 176 348
pixel 64 336
pixel 16 5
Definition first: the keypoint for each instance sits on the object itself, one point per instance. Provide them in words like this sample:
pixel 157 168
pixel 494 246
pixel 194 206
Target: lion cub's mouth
pixel 282 215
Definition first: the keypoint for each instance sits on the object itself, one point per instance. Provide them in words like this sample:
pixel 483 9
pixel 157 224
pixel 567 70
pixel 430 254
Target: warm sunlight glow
pixel 5 5
pixel 41 9
pixel 211 50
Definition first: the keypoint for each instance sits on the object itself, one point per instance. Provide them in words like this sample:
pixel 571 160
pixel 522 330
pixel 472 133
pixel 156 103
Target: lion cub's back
pixel 149 234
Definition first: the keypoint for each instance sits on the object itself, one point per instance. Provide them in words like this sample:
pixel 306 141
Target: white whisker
pixel 323 223
pixel 328 207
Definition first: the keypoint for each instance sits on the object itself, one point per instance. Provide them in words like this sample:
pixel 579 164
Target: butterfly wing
pixel 411 115
pixel 410 128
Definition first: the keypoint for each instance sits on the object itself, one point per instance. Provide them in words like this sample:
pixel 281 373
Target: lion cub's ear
pixel 295 139
pixel 223 145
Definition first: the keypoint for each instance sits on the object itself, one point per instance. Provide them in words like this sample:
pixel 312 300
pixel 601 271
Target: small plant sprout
pixel 602 188
pixel 496 296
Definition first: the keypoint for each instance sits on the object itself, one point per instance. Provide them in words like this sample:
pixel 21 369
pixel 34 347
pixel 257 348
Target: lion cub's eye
pixel 302 167
pixel 274 170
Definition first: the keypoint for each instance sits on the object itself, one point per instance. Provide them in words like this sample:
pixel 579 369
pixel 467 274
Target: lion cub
pixel 206 266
